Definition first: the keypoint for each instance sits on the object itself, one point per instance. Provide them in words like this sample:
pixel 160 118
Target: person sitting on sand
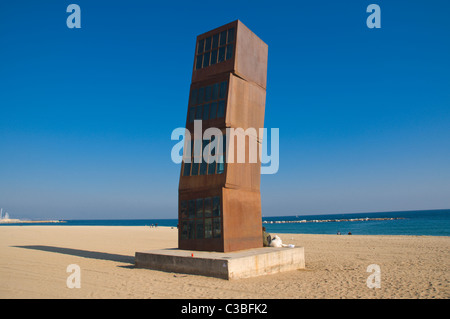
pixel 266 237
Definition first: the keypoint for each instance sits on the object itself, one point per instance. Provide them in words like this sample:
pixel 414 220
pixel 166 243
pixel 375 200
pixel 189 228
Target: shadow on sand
pixel 82 253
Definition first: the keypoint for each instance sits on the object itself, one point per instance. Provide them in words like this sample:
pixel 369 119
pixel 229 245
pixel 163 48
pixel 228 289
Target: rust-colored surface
pixel 238 187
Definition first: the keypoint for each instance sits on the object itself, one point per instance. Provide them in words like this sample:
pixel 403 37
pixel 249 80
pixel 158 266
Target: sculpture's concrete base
pixel 233 265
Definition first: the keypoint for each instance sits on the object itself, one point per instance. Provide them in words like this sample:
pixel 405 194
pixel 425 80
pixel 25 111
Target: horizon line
pixel 294 215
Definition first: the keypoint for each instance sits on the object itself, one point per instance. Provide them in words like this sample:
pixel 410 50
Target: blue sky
pixel 86 114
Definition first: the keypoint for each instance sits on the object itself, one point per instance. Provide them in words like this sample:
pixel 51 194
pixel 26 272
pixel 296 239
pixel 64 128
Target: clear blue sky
pixel 86 114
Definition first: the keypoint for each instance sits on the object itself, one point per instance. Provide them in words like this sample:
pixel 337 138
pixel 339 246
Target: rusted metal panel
pixel 220 209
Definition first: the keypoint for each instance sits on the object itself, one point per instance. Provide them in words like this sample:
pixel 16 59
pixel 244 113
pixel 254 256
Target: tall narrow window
pixel 229 51
pixel 183 209
pixel 222 151
pixel 198 112
pixel 201 45
pixel 199 229
pixel 215 41
pixel 205 112
pixel 208 93
pixel 208 207
pixel 191 209
pixel 230 35
pixel 193 99
pixel 208 228
pixel 198 64
pixel 208 43
pixel 187 169
pixel 217 229
pixel 184 229
pixel 223 89
pixel 199 208
pixel 212 164
pixel 206 59
pixel 223 38
pixel 216 206
pixel 215 91
pixel 221 109
pixel 191 229
pixel 213 110
pixel 221 54
pixel 201 95
pixel 213 57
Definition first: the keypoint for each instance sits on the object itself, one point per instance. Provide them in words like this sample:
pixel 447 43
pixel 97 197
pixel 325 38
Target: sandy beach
pixel 34 260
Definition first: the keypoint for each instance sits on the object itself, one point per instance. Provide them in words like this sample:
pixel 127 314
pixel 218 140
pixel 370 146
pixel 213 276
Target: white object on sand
pixel 277 242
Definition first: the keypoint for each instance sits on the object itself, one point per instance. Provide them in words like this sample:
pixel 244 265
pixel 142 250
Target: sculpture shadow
pixel 82 253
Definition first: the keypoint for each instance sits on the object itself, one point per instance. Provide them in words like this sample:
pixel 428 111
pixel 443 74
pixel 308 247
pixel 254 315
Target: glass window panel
pixel 183 209
pixel 216 206
pixel 215 41
pixel 221 109
pixel 223 37
pixel 224 144
pixel 221 57
pixel 206 59
pixel 191 229
pixel 217 230
pixel 201 95
pixel 205 112
pixel 184 230
pixel 208 207
pixel 191 114
pixel 199 229
pixel 220 165
pixel 230 35
pixel 187 169
pixel 229 52
pixel 212 168
pixel 223 90
pixel 203 167
pixel 195 169
pixel 191 208
pixel 215 91
pixel 198 64
pixel 213 57
pixel 198 112
pixel 208 93
pixel 199 208
pixel 193 99
pixel 213 111
pixel 201 45
pixel 208 228
pixel 208 43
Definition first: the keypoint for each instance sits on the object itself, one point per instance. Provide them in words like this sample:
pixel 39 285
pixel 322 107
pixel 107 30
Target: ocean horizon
pixel 417 222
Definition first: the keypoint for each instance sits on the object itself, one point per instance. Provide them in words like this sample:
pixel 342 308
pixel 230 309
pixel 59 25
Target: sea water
pixel 421 222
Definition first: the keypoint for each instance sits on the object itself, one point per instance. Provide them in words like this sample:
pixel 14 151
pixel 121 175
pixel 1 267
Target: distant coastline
pixel 328 220
pixel 5 219
pixel 20 221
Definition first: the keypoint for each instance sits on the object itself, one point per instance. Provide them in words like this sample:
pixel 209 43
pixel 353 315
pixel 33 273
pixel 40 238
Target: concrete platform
pixel 234 265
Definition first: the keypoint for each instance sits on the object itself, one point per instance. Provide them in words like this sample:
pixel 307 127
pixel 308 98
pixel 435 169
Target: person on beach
pixel 266 237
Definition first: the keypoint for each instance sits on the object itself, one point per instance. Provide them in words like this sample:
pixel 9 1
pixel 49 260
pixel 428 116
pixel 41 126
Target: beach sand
pixel 34 260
